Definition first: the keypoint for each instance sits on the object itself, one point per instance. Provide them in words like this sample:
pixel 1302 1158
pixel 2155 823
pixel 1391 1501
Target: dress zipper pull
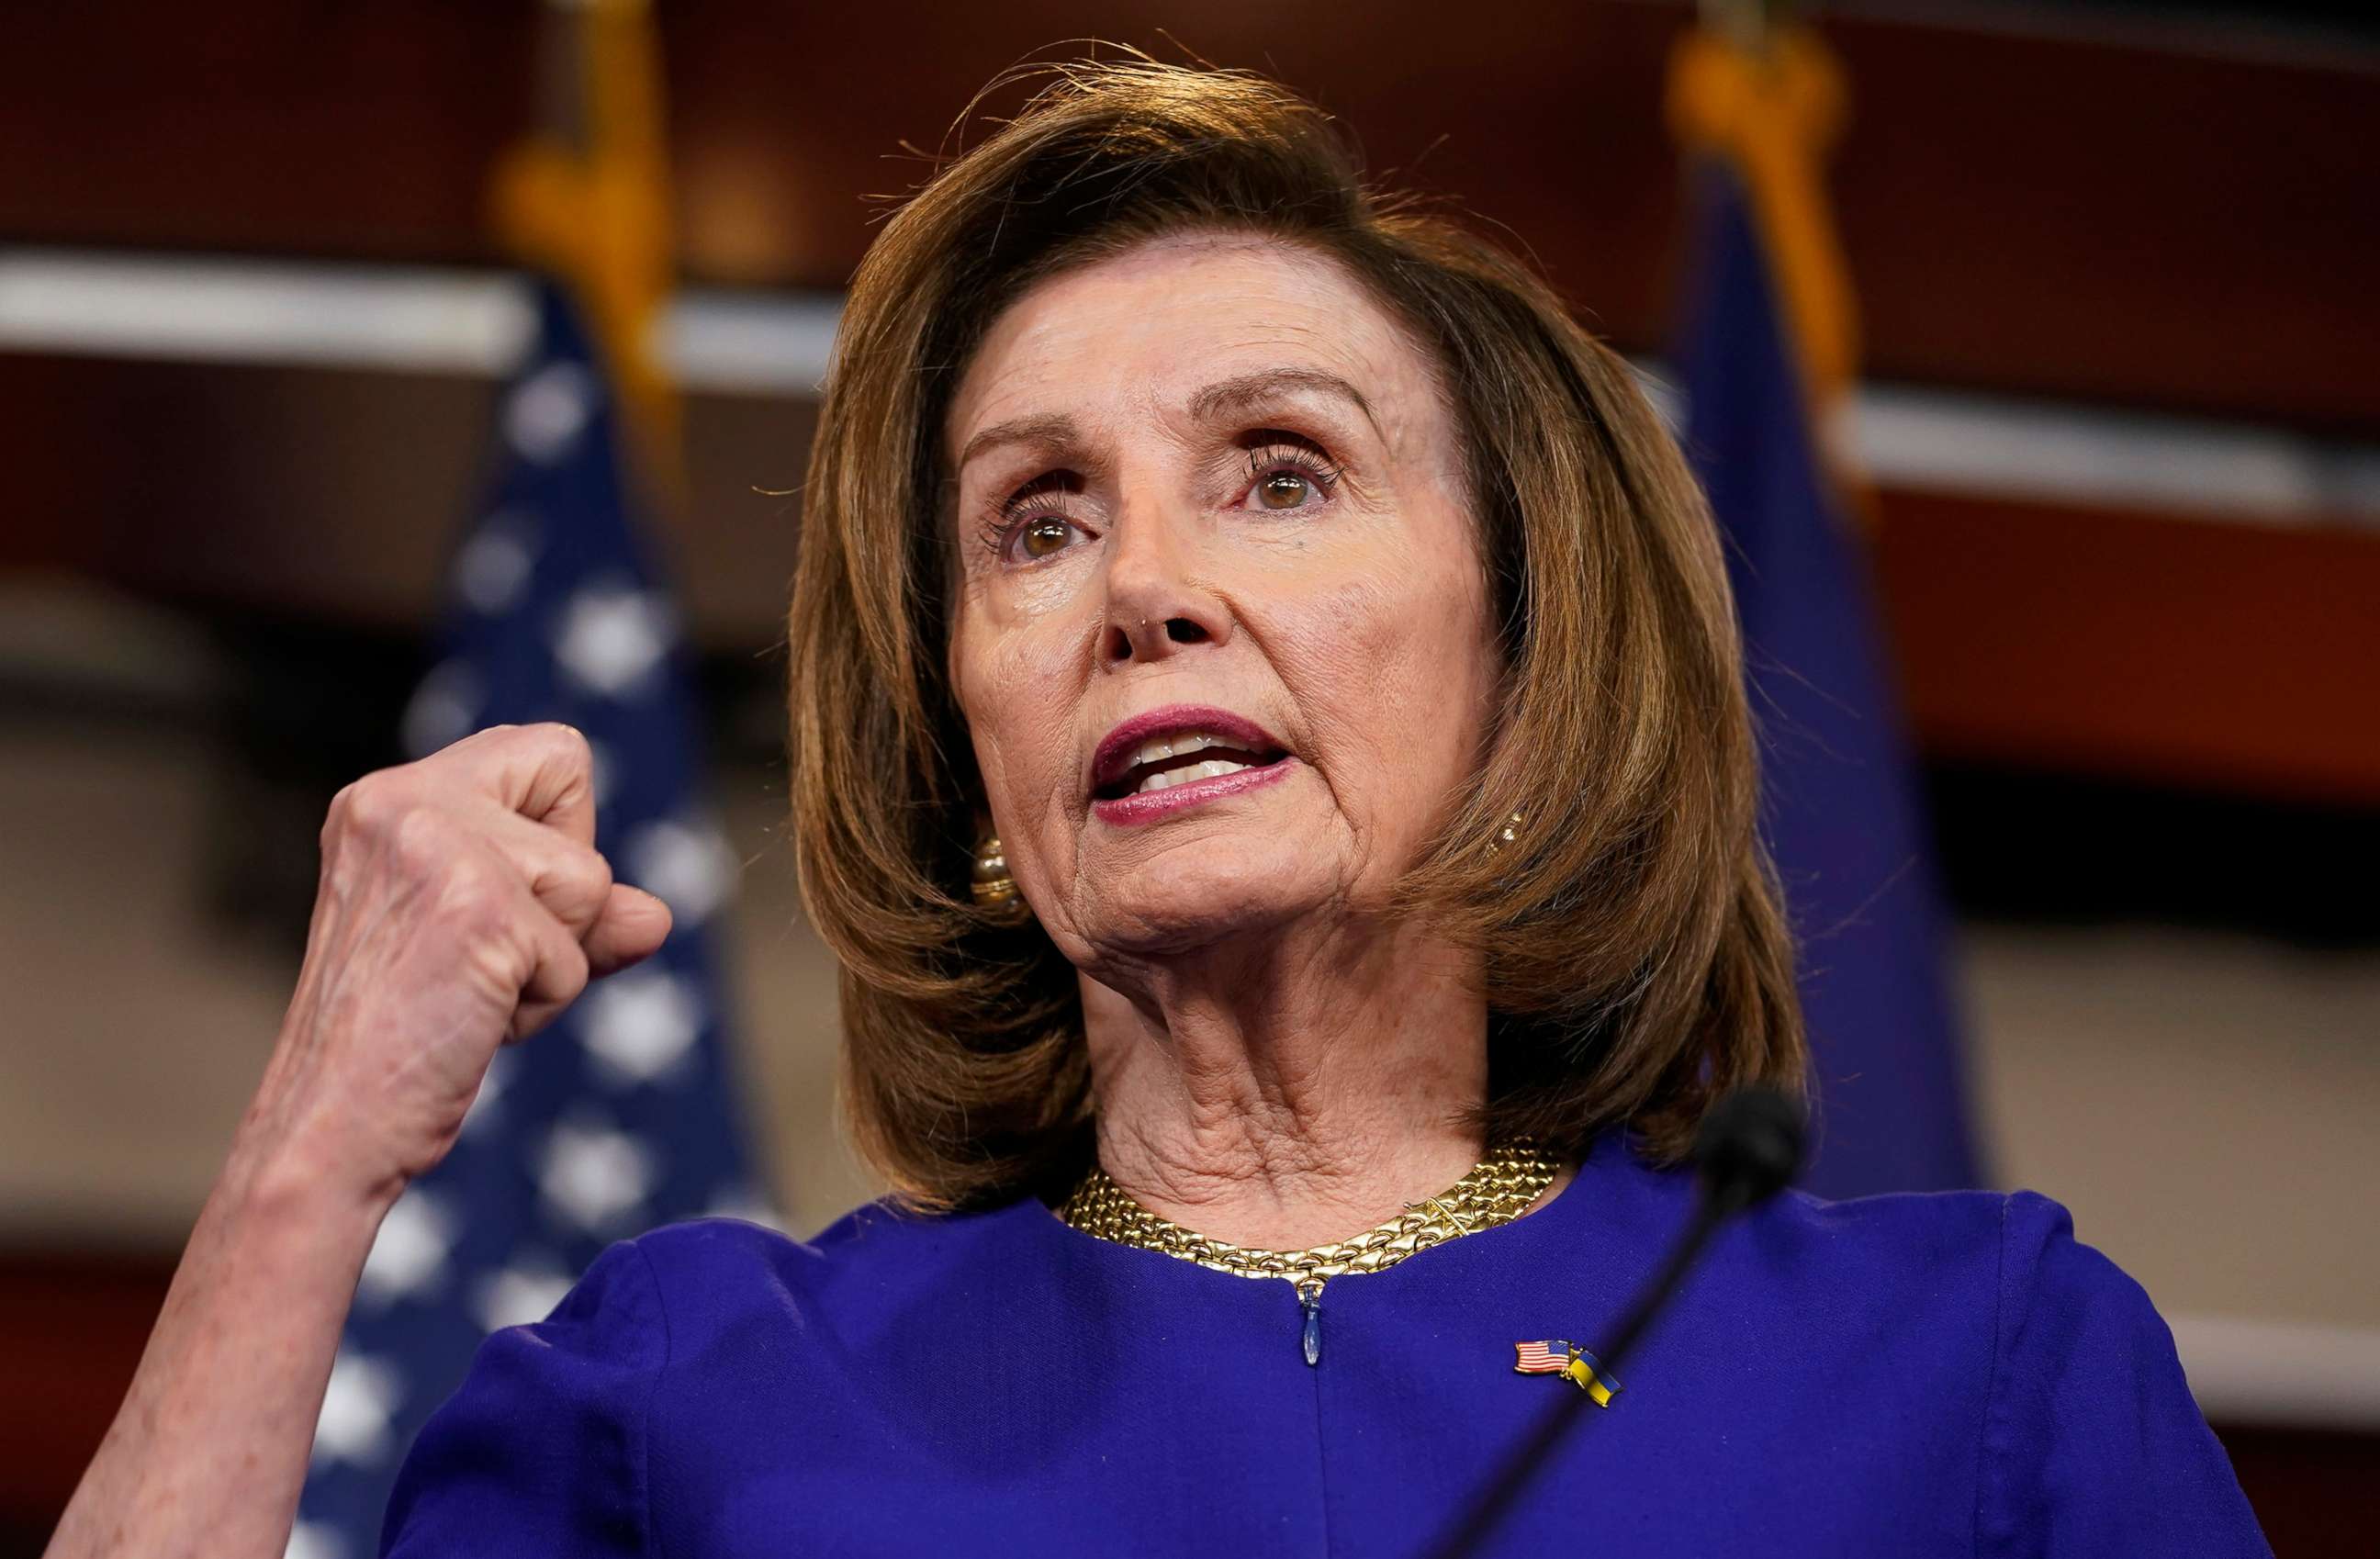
pixel 1309 1302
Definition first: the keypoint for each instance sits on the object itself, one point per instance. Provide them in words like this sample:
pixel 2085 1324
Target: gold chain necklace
pixel 1498 1190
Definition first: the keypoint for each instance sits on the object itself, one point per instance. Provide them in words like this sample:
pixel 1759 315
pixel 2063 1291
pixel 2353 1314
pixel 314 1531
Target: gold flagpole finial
pixel 585 198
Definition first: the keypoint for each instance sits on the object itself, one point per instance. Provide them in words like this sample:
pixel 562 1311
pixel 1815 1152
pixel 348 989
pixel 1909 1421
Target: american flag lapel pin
pixel 1571 1362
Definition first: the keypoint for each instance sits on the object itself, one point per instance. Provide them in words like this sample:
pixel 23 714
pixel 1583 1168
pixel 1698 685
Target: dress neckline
pixel 1605 1153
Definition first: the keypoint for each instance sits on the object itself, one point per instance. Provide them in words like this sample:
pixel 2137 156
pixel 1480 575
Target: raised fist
pixel 462 905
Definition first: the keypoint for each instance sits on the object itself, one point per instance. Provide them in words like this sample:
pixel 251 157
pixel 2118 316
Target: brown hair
pixel 1636 959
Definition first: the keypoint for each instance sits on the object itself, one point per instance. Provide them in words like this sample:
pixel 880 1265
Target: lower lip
pixel 1146 806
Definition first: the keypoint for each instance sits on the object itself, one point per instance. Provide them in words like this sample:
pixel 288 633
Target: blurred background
pixel 2116 273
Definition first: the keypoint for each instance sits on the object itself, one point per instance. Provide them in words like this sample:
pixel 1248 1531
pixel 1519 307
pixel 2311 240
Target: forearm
pixel 208 1450
pixel 462 903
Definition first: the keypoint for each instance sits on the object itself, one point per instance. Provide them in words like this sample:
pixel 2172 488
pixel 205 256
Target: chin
pixel 1207 892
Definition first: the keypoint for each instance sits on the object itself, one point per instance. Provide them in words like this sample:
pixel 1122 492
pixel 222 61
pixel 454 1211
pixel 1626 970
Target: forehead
pixel 1146 329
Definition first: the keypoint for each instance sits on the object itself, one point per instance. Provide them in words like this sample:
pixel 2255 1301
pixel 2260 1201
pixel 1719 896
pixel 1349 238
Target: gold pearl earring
pixel 994 891
pixel 1507 834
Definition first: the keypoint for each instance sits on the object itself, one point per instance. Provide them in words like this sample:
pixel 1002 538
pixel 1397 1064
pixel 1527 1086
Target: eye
pixel 1289 472
pixel 1032 525
pixel 1042 535
pixel 1284 489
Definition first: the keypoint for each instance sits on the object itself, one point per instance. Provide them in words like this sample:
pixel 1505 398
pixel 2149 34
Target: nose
pixel 1158 604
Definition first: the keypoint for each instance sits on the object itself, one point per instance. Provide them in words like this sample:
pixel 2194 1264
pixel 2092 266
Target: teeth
pixel 1158 749
pixel 1165 779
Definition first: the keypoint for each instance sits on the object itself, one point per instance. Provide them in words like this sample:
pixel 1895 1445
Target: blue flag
pixel 619 1116
pixel 1840 806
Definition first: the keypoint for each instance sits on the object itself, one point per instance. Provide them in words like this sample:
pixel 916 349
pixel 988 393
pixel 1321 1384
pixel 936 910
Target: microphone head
pixel 1749 1146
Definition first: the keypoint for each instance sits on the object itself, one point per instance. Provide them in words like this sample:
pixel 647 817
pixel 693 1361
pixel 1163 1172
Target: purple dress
pixel 1920 1375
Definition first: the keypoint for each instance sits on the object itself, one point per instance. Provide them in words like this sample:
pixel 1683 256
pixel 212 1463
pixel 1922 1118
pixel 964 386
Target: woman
pixel 1271 759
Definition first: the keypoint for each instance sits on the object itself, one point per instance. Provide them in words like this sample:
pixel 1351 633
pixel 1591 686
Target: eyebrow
pixel 1251 390
pixel 1047 428
pixel 1241 392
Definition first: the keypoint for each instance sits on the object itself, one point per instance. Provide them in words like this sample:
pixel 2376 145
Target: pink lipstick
pixel 1179 756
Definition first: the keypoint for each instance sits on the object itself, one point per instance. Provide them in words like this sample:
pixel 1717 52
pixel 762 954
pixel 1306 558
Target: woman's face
pixel 1222 643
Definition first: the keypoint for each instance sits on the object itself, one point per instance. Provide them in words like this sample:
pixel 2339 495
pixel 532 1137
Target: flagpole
pixel 584 198
pixel 1756 100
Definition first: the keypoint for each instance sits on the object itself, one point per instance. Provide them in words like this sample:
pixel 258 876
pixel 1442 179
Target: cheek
pixel 1019 703
pixel 1398 671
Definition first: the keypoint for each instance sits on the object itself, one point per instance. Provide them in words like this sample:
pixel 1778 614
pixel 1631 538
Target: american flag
pixel 619 1116
pixel 1542 1359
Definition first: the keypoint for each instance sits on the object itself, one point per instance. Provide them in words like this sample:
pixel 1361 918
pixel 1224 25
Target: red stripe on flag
pixel 1537 1358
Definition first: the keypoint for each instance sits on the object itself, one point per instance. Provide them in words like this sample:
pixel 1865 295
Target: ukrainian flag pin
pixel 1572 1362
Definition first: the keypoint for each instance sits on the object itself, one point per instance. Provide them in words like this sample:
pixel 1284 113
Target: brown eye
pixel 1042 536
pixel 1283 490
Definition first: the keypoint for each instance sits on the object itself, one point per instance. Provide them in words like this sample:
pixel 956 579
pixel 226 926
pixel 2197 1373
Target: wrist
pixel 289 1181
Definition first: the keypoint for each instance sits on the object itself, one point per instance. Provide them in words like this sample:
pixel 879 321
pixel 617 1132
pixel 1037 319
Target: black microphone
pixel 1748 1148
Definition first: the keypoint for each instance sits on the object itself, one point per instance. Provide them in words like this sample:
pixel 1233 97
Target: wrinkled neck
pixel 1291 1090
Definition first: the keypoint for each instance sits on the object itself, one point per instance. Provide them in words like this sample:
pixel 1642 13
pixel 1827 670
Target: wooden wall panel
pixel 2175 652
pixel 2079 219
pixel 2154 223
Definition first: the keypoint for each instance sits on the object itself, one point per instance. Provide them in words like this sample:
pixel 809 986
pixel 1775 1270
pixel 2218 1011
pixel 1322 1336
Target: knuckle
pixel 422 841
pixel 571 966
pixel 472 893
pixel 589 874
pixel 362 806
pixel 557 969
pixel 564 743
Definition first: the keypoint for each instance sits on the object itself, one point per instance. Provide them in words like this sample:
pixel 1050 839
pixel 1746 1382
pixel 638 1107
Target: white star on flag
pixel 493 566
pixel 523 1292
pixel 685 865
pixel 311 1540
pixel 545 415
pixel 612 639
pixel 443 708
pixel 355 1408
pixel 409 1254
pixel 592 1174
pixel 640 1025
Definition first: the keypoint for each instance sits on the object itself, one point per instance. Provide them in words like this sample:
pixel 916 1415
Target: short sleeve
pixel 543 1449
pixel 2092 1445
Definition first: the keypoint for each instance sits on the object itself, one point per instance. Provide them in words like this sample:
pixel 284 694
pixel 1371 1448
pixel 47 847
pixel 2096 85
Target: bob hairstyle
pixel 1634 950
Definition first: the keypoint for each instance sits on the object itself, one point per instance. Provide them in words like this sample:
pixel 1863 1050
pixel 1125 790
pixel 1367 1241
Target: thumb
pixel 631 929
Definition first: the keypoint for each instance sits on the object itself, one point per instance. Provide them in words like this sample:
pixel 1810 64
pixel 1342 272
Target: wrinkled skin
pixel 1211 470
pixel 462 905
pixel 1351 622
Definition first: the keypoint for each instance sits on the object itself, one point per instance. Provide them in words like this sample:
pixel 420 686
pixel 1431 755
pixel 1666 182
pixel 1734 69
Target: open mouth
pixel 1181 758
